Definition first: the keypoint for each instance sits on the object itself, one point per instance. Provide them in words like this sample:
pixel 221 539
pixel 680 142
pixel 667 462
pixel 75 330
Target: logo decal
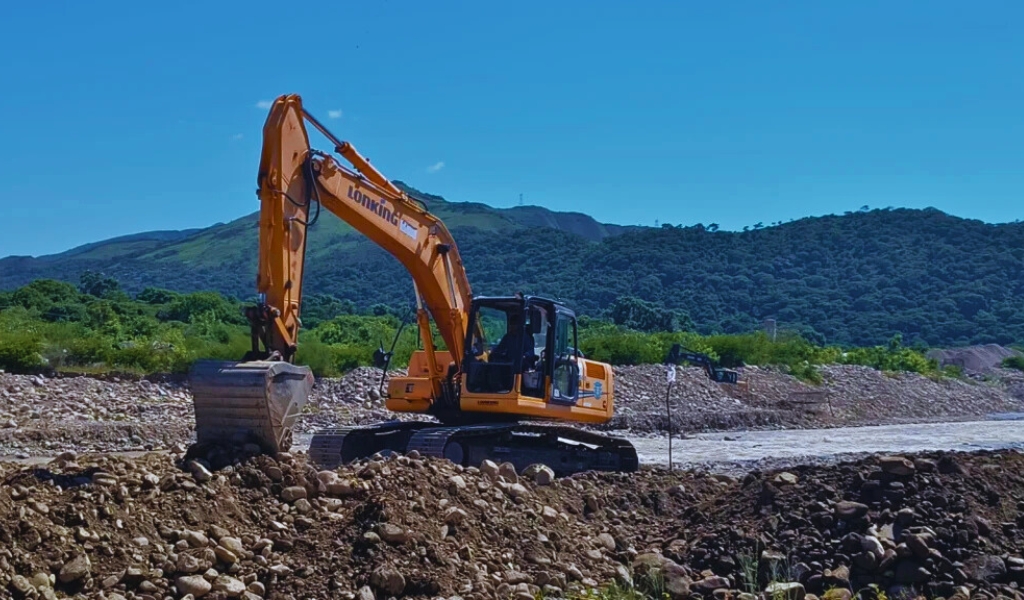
pixel 381 208
pixel 378 206
pixel 597 390
pixel 407 228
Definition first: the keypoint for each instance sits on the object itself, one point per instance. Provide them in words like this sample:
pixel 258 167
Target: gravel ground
pixel 102 517
pixel 938 525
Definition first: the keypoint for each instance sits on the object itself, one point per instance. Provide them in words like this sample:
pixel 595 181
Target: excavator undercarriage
pixel 566 450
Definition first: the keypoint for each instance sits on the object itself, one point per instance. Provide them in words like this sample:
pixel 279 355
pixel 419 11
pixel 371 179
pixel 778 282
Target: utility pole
pixel 520 199
pixel 670 375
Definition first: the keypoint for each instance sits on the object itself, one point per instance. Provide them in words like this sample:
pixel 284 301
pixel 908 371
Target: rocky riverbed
pixel 46 416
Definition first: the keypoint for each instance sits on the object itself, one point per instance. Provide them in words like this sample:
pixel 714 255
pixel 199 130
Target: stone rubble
pixel 42 415
pixel 767 398
pixel 937 525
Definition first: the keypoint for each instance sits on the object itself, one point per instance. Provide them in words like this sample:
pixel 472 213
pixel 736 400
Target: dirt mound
pixel 976 359
pixel 405 526
pixel 767 397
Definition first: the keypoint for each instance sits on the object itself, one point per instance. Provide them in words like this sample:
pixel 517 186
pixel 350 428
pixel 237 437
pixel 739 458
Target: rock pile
pixel 974 359
pixel 938 525
pixel 697 402
pixel 862 395
pixel 353 399
pixel 766 397
pixel 48 415
pixel 1013 380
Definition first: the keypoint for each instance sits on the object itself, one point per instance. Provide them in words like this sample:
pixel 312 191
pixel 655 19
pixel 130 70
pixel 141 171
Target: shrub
pixel 623 348
pixel 888 359
pixel 185 308
pixel 1014 362
pixel 21 352
pixel 166 331
pixel 333 360
pixel 152 295
pixel 806 372
pixel 87 350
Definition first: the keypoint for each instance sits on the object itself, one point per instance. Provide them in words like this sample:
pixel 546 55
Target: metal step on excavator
pixel 509 384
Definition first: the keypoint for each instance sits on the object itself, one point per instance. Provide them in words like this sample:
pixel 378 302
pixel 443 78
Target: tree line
pixel 855 279
pixel 97 326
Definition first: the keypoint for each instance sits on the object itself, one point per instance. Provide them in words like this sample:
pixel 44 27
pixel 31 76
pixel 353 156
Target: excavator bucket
pixel 248 402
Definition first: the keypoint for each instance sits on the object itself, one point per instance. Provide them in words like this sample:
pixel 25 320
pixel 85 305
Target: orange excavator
pixel 507 386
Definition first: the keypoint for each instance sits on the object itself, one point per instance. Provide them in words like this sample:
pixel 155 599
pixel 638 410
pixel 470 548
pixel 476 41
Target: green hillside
pixel 857 278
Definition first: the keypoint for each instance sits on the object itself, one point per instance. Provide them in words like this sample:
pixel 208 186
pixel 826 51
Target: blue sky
pixel 122 117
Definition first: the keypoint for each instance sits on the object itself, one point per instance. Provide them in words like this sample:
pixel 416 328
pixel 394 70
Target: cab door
pixel 565 370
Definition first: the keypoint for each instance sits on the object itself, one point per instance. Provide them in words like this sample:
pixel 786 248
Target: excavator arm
pixel 294 180
pixel 677 355
pixel 258 399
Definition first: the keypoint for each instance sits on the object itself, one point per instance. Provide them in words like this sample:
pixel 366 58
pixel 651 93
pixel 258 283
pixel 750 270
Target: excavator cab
pixel 526 340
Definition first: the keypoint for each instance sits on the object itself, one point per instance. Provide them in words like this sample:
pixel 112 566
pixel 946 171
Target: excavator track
pixel 566 450
pixel 331 448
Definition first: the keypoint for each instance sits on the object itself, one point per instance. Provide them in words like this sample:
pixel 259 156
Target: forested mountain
pixel 857 278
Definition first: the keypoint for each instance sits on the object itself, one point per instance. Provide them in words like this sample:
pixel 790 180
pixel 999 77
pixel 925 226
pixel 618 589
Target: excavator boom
pixel 256 400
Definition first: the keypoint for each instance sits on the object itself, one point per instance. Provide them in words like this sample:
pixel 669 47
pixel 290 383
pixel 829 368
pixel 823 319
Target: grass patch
pixel 1014 362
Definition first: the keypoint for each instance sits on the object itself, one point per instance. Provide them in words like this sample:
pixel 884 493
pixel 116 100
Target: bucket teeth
pixel 254 402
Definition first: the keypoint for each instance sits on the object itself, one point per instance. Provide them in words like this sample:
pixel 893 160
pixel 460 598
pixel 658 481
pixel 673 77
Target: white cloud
pixel 334 114
pixel 237 136
pixel 434 168
pixel 264 104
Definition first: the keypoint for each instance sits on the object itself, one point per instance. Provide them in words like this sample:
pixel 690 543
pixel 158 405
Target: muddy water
pixel 738 451
pixel 782 447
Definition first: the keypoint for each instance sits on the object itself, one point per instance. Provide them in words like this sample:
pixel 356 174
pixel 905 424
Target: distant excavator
pixel 678 354
pixel 507 386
